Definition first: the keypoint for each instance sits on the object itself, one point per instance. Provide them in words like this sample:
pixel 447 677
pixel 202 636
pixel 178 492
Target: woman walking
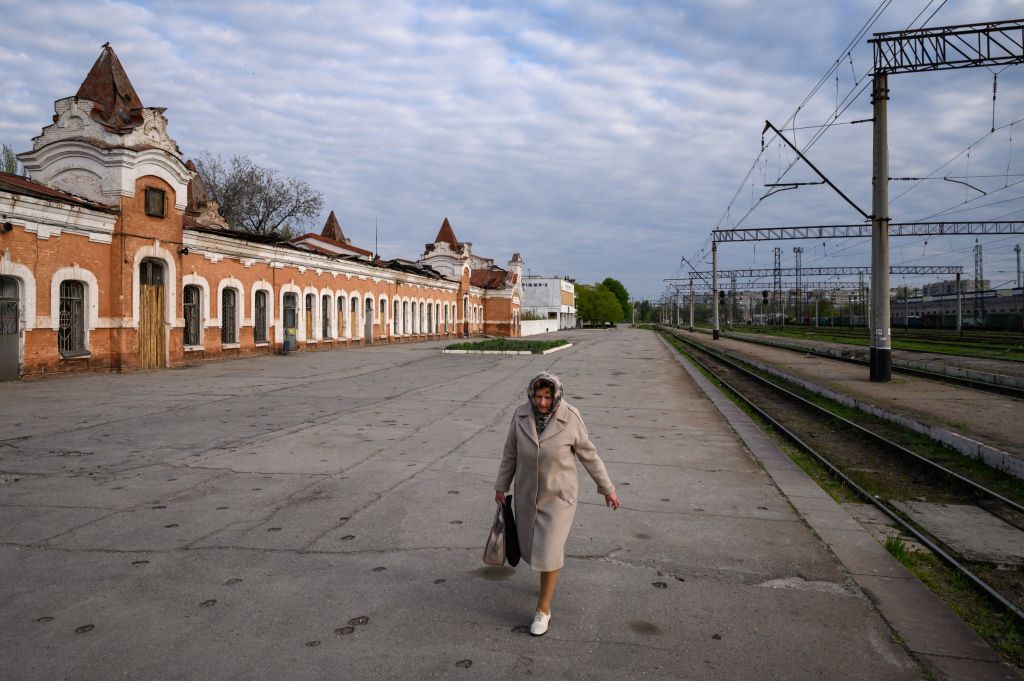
pixel 547 435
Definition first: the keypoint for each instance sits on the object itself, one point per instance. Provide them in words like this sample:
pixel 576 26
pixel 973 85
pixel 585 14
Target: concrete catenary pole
pixel 881 342
pixel 715 332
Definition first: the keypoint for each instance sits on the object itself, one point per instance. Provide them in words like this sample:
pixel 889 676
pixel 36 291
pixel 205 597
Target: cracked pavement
pixel 323 515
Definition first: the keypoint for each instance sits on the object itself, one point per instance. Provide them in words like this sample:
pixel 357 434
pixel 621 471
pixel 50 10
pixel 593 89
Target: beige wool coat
pixel 546 484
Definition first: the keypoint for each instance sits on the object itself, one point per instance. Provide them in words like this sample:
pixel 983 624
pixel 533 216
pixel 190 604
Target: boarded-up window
pixel 310 302
pixel 155 199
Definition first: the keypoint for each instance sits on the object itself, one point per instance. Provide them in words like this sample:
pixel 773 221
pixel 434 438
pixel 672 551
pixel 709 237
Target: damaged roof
pixel 23 185
pixel 117 105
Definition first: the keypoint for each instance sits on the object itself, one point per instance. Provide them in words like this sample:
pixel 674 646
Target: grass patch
pixel 505 345
pixel 986 618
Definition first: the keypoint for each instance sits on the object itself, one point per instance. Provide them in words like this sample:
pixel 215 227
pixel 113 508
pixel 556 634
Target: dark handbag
pixel 512 554
pixel 494 550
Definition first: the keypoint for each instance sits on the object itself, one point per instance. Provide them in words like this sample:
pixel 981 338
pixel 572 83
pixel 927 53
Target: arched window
pixel 394 318
pixel 430 318
pixel 228 305
pixel 325 313
pixel 446 317
pixel 383 316
pixel 191 301
pixel 259 330
pixel 341 317
pixel 71 333
pixel 405 317
pixel 353 318
pixel 310 304
pixel 288 320
pixel 437 317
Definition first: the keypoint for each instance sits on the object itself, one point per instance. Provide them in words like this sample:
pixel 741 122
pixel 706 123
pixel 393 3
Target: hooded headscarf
pixel 543 379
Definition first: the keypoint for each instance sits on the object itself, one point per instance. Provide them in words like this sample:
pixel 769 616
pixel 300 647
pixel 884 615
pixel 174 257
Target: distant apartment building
pixel 550 298
pixel 943 288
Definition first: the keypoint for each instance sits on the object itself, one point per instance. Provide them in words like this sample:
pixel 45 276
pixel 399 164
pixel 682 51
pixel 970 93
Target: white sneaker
pixel 540 624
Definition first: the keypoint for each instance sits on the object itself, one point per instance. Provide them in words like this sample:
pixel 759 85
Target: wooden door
pixel 152 328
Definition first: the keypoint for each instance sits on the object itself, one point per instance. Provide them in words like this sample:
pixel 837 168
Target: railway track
pixel 881 471
pixel 973 384
pixel 993 341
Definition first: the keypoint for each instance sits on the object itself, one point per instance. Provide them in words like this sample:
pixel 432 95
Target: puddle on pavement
pixel 493 573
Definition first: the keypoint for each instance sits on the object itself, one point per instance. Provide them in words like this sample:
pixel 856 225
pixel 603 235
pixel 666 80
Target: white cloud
pixel 596 138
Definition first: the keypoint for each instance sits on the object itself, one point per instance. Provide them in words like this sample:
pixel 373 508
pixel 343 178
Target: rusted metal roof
pixel 447 235
pixel 332 229
pixel 493 278
pixel 118 106
pixel 334 242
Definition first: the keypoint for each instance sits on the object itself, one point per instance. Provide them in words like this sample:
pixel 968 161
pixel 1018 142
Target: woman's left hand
pixel 612 500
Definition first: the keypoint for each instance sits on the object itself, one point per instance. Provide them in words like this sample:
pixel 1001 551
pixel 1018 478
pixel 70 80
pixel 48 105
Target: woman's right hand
pixel 499 497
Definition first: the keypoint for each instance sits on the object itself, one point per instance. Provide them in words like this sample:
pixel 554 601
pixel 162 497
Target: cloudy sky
pixel 597 138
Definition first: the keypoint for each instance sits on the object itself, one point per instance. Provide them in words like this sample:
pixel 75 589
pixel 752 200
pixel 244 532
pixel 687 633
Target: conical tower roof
pixel 447 235
pixel 332 229
pixel 118 106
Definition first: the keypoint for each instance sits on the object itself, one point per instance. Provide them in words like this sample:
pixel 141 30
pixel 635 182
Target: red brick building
pixel 113 258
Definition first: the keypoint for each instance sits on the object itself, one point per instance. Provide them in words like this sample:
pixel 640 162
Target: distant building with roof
pixel 114 257
pixel 552 298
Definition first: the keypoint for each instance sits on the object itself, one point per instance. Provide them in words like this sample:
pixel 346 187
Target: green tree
pixel 597 305
pixel 8 161
pixel 620 292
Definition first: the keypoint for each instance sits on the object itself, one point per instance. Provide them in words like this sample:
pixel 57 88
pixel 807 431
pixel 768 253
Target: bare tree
pixel 257 199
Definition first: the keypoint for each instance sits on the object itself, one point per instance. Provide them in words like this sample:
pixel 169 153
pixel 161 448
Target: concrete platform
pixel 323 516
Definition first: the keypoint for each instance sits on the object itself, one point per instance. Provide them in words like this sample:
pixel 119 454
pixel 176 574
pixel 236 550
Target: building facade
pixel 112 257
pixel 552 298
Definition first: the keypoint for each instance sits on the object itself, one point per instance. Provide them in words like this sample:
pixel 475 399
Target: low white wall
pixel 531 327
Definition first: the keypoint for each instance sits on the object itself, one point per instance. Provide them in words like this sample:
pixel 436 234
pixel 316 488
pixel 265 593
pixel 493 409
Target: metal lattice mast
pixel 777 281
pixel 861 296
pixel 979 278
pixel 798 251
pixel 732 300
pixel 1016 249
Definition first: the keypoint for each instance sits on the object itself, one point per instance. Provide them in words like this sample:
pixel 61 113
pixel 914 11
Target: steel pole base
pixel 715 335
pixel 881 365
